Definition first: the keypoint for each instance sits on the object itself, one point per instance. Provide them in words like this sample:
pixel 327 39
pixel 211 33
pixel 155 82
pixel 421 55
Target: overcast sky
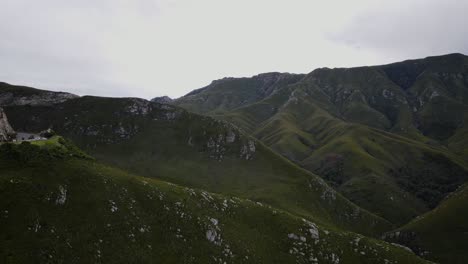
pixel 148 48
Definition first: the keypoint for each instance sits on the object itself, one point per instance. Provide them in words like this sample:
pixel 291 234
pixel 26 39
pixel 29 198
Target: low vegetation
pixel 72 209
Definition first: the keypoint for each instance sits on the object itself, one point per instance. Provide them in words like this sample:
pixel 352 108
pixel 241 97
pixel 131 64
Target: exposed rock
pixel 230 137
pixel 293 99
pixel 6 131
pixel 247 150
pixel 387 94
pixel 216 147
pixel 434 94
pixel 170 115
pixel 403 247
pixel 251 146
pixel 312 228
pixel 211 235
pixel 62 197
pixel 138 107
pixel 328 195
pixel 190 141
pixel 214 221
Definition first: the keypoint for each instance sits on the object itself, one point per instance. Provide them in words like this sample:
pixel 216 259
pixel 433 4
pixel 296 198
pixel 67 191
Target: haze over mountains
pixel 276 168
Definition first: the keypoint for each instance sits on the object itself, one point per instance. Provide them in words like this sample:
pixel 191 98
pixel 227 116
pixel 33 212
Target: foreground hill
pixel 60 206
pixel 390 138
pixel 166 142
pixel 440 235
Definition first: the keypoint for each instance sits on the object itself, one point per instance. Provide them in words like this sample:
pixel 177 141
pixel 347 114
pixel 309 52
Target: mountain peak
pixel 162 99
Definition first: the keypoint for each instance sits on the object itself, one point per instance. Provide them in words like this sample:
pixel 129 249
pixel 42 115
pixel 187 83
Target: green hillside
pixel 440 235
pixel 168 143
pixel 60 206
pixel 390 138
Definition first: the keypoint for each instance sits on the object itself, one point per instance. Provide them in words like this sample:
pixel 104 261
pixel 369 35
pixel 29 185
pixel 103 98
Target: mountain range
pixel 344 165
pixel 361 129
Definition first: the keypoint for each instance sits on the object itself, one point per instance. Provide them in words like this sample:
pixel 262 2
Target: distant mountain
pixel 60 206
pixel 390 138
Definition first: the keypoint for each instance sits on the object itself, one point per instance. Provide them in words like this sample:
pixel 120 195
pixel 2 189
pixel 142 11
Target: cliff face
pixel 6 131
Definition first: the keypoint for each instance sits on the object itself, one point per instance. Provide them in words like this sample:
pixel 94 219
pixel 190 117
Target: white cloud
pixel 409 29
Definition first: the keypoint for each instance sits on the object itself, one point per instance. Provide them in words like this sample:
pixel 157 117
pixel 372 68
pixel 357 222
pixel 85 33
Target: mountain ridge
pixel 348 112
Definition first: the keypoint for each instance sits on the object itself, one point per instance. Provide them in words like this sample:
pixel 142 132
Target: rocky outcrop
pixel 6 131
pixel 137 106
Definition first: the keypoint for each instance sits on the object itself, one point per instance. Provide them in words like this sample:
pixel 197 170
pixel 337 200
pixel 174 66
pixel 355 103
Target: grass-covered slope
pixel 60 206
pixel 390 138
pixel 440 235
pixel 388 174
pixel 166 142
